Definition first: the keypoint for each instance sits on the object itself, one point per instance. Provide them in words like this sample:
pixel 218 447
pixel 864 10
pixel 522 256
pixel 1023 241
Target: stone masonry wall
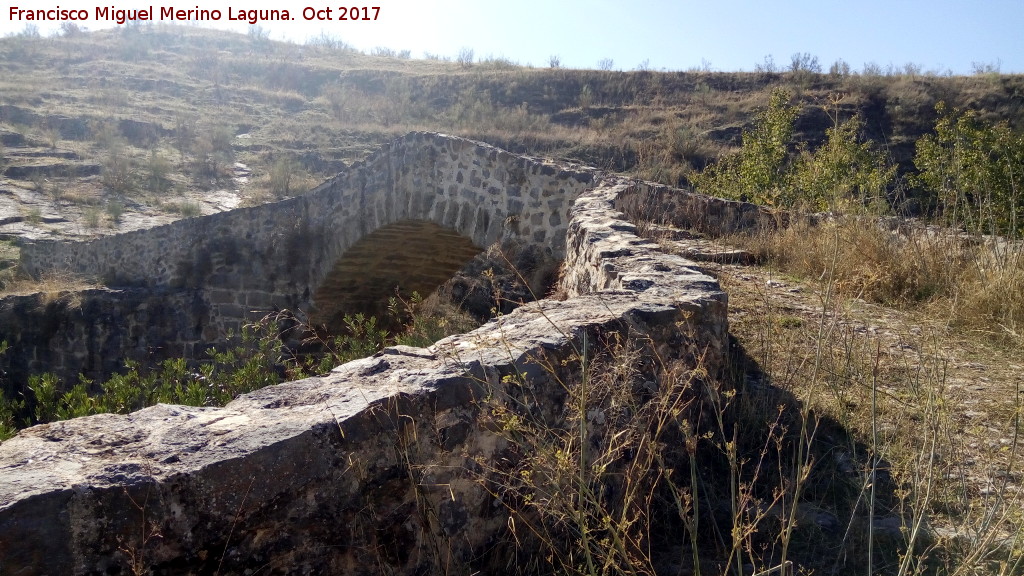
pixel 93 332
pixel 379 466
pixel 659 204
pixel 211 274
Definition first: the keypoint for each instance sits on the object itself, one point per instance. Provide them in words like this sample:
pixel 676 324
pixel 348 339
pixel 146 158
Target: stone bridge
pixel 381 465
pixel 410 215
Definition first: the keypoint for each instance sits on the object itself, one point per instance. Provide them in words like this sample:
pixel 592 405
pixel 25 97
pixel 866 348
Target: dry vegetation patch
pixel 51 285
pixel 964 281
pixel 929 384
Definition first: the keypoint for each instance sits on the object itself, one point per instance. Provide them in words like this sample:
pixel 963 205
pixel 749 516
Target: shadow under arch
pixel 399 258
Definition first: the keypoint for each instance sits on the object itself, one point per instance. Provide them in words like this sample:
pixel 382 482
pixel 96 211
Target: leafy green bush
pixel 844 169
pixel 974 170
pixel 758 173
pixel 8 408
pixel 767 171
pixel 362 337
pixel 256 361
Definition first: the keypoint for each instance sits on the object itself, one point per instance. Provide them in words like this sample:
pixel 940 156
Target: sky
pixel 728 35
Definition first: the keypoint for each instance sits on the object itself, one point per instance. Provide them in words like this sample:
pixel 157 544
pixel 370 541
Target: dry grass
pixel 51 286
pixel 938 408
pixel 900 345
pixel 971 283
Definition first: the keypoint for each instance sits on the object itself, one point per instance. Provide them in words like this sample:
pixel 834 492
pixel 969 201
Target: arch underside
pixel 400 258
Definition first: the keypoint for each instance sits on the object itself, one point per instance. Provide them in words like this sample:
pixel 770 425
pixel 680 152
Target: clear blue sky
pixel 938 35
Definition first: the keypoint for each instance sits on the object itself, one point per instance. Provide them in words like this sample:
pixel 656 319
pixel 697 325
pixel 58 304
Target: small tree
pixel 839 68
pixel 974 171
pixel 70 30
pixel 258 34
pixel 325 42
pixel 804 62
pixel 757 173
pixel 767 67
pixel 846 169
pixel 803 68
pixel 465 57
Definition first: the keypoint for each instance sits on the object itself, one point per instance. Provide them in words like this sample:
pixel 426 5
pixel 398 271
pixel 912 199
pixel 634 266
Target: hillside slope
pixel 121 129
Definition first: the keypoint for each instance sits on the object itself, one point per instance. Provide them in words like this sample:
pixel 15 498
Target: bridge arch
pixel 402 258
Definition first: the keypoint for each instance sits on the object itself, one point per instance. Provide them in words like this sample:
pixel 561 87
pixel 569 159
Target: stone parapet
pixel 289 246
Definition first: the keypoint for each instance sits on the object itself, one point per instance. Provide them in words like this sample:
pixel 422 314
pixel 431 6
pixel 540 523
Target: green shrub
pixel 8 408
pixel 766 170
pixel 974 169
pixel 45 396
pixel 256 359
pixel 758 172
pixel 845 169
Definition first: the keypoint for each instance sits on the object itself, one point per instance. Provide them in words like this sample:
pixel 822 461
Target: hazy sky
pixel 937 35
